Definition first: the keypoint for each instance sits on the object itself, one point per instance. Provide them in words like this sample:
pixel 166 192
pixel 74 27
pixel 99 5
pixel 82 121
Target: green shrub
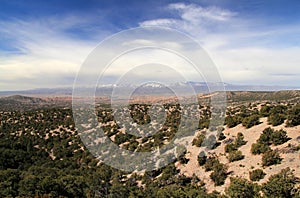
pixel 256 175
pixel 269 136
pixel 276 119
pixel 232 121
pixel 297 148
pixel 270 158
pixel 221 137
pixel 219 174
pixel 168 173
pixel 230 147
pixel 202 158
pixel 258 148
pixel 198 140
pixel 241 188
pixel 131 146
pixel 293 118
pixel 210 163
pixel 251 121
pixel 204 123
pixel 281 185
pixel 235 156
pixel 266 136
pixel 239 141
pixel 122 138
pixel 279 137
pixel 182 159
pixel 265 111
pixel 278 109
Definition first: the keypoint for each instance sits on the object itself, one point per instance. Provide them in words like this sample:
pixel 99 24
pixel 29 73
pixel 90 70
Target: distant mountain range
pixel 21 102
pixel 149 88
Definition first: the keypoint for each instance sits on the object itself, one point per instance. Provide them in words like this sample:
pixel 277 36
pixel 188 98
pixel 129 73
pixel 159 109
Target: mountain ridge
pixel 107 89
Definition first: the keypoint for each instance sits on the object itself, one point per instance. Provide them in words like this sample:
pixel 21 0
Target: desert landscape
pixel 149 99
pixel 258 141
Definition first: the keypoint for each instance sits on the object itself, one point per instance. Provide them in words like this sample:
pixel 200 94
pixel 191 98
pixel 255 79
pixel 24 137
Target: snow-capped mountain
pixel 152 88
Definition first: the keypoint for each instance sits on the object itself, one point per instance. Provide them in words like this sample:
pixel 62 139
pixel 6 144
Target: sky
pixel 43 44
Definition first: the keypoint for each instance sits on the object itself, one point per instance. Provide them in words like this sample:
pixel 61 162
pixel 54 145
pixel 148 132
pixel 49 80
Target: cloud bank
pixel 48 51
pixel 246 51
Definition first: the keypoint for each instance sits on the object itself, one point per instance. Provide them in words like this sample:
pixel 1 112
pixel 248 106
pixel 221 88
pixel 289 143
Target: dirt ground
pixel 241 168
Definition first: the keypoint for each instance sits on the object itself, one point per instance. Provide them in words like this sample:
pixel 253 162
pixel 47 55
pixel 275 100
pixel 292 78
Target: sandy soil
pixel 250 162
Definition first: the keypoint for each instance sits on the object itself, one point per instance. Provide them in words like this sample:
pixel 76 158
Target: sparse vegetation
pixel 258 148
pixel 230 147
pixel 279 137
pixel 276 119
pixel 251 121
pixel 293 118
pixel 232 121
pixel 41 155
pixel 240 188
pixel 281 185
pixel 270 158
pixel 198 140
pixel 210 163
pixel 219 174
pixel 265 111
pixel 276 114
pixel 235 156
pixel 256 175
pixel 239 141
pixel 271 136
pixel 265 137
pixel 202 158
pixel 221 137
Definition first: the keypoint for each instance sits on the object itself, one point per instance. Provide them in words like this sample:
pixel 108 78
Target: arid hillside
pixel 255 151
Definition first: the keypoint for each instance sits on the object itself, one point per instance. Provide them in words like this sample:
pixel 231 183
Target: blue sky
pixel 43 43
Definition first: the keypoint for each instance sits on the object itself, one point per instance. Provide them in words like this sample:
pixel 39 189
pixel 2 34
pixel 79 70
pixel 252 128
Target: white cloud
pixel 47 55
pixel 197 14
pixel 160 22
pixel 245 50
pixel 257 65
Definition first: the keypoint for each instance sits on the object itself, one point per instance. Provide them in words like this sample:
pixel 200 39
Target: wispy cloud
pixel 47 54
pixel 197 14
pixel 48 51
pixel 244 49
